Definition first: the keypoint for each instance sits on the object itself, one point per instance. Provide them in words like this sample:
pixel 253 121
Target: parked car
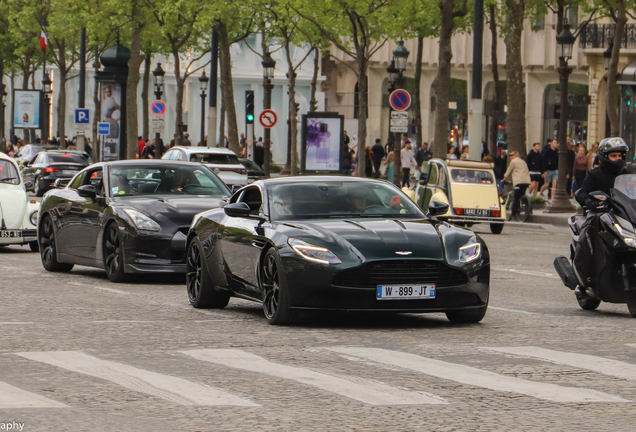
pixel 222 161
pixel 469 188
pixel 254 172
pixel 19 214
pixel 126 216
pixel 335 243
pixel 48 166
pixel 28 152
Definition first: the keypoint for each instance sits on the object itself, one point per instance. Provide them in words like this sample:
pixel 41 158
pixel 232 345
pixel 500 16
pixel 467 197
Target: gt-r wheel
pixel 113 254
pixel 467 316
pixel 275 291
pixel 496 228
pixel 201 291
pixel 46 238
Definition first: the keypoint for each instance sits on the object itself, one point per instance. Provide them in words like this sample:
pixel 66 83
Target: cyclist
pixel 518 171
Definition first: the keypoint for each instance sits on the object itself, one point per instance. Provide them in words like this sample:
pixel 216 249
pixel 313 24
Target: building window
pixel 538 21
pixel 573 16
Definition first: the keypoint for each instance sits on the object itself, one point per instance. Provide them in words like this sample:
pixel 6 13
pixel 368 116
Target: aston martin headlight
pixel 470 251
pixel 33 217
pixel 629 237
pixel 142 221
pixel 313 253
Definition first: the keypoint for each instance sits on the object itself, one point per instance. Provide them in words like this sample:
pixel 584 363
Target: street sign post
pixel 103 128
pixel 158 108
pixel 158 125
pixel 400 100
pixel 399 115
pixel 268 118
pixel 399 122
pixel 82 120
pixel 399 129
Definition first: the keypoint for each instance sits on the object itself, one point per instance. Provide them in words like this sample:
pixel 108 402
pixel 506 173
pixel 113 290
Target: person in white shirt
pixel 408 163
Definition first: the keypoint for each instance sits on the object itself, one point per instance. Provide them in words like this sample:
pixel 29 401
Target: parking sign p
pixel 81 116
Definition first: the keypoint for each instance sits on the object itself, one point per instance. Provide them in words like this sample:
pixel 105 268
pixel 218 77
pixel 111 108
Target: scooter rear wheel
pixel 590 304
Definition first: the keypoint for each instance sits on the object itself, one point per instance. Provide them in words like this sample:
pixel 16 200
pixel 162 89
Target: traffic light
pixel 249 106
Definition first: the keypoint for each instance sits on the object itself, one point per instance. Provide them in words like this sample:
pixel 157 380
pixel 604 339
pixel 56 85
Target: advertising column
pixel 111 114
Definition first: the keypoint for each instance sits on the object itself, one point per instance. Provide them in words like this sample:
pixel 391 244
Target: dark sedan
pixel 126 216
pixel 28 152
pixel 335 243
pixel 254 172
pixel 48 166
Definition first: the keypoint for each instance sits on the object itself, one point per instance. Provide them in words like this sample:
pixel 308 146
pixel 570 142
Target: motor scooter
pixel 616 280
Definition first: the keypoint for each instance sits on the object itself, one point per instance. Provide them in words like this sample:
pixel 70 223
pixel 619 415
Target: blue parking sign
pixel 103 128
pixel 82 116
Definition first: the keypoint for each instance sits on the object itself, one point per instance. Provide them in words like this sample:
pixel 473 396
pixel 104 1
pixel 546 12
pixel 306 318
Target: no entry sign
pixel 268 119
pixel 158 108
pixel 400 100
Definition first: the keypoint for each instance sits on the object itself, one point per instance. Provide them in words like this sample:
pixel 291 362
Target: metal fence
pixel 600 35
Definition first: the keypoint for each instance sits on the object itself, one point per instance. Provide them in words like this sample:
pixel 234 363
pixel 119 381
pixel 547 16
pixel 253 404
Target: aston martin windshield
pixel 339 199
pixel 162 180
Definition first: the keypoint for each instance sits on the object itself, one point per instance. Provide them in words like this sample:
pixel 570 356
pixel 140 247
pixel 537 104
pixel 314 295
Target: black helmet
pixel 612 145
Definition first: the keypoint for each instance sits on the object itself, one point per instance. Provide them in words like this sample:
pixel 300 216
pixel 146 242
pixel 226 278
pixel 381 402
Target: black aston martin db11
pixel 126 216
pixel 335 243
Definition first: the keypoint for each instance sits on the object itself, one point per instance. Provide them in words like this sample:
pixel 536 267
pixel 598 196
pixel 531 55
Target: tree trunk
pixel 145 96
pixel 61 106
pixel 494 125
pixel 613 94
pixel 293 122
pixel 417 99
pixel 136 58
pixel 363 100
pixel 313 103
pixel 516 122
pixel 222 127
pixel 180 86
pixel 442 82
pixel 227 89
pixel 98 112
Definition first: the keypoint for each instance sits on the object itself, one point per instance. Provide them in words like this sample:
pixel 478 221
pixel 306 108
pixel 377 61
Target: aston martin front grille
pixel 398 272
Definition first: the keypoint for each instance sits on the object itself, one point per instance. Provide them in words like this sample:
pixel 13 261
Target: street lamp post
pixel 46 89
pixel 203 81
pixel 2 115
pixel 561 201
pixel 158 73
pixel 269 64
pixel 395 71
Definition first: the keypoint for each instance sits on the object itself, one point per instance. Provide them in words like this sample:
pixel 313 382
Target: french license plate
pixel 477 212
pixel 10 234
pixel 69 171
pixel 403 292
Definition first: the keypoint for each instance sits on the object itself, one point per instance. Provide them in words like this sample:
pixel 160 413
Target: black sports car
pixel 335 243
pixel 126 216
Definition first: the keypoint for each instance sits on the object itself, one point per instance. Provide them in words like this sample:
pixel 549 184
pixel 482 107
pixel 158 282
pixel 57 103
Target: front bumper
pixel 154 252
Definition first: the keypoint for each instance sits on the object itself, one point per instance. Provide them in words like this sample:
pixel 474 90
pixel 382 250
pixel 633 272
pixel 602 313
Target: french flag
pixel 43 41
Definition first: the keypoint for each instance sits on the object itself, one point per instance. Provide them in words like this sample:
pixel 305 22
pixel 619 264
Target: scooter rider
pixel 611 155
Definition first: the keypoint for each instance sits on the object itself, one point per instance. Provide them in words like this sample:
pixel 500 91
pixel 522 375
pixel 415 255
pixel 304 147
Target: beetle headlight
pixel 470 251
pixel 142 221
pixel 33 218
pixel 313 253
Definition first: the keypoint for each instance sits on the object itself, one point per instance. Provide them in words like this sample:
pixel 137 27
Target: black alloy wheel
pixel 46 239
pixel 275 297
pixel 201 291
pixel 113 254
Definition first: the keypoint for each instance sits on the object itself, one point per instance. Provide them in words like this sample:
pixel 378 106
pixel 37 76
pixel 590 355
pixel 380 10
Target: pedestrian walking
pixel 571 155
pixel 259 152
pixel 500 160
pixel 388 173
pixel 378 155
pixel 536 166
pixel 592 157
pixel 581 167
pixel 551 155
pixel 518 172
pixel 423 154
pixel 347 140
pixel 408 163
pixel 368 162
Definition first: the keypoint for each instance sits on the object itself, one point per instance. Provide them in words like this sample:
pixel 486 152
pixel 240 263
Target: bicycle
pixel 525 207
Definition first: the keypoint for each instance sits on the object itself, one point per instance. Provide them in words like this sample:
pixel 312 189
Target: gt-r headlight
pixel 470 251
pixel 629 237
pixel 142 221
pixel 313 253
pixel 34 218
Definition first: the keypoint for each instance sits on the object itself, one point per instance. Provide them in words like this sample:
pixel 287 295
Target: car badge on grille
pixel 216 170
pixel 403 253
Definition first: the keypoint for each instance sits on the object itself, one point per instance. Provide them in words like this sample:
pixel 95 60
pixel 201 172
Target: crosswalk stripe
pixel 366 391
pixel 173 389
pixel 477 377
pixel 13 397
pixel 601 365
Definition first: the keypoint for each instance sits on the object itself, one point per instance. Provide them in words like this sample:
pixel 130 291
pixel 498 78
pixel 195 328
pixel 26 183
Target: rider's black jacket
pixel 598 179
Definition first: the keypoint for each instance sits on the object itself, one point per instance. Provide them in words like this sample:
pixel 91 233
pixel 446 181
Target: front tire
pixel 275 291
pixel 470 316
pixel 525 209
pixel 631 303
pixel 496 228
pixel 201 291
pixel 48 252
pixel 34 246
pixel 114 254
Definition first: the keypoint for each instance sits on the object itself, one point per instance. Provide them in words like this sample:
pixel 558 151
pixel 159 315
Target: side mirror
pixel 87 191
pixel 60 183
pixel 28 185
pixel 436 208
pixel 240 209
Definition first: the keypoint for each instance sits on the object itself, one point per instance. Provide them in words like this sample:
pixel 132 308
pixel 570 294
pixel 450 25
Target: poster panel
pixel 110 94
pixel 26 104
pixel 322 134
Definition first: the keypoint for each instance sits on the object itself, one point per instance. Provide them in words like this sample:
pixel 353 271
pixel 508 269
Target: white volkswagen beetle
pixel 18 213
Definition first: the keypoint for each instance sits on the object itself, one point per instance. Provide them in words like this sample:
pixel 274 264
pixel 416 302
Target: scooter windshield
pixel 626 183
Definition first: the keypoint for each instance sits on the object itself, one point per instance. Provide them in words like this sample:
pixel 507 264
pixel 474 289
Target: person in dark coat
pixel 501 164
pixel 536 166
pixel 378 155
pixel 259 153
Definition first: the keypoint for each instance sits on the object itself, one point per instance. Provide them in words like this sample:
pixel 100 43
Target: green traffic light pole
pixel 249 123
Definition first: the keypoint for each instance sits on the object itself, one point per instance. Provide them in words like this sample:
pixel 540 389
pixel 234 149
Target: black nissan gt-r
pixel 335 243
pixel 126 216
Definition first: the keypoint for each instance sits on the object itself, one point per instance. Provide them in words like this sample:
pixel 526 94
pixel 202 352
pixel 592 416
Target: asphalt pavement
pixel 78 353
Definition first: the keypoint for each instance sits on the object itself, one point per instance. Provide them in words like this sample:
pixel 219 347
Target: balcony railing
pixel 600 35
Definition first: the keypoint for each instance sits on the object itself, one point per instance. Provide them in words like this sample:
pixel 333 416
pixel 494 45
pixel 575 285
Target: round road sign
pixel 400 100
pixel 268 119
pixel 158 108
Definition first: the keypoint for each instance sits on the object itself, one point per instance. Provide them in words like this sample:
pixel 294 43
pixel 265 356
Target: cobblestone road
pixel 78 353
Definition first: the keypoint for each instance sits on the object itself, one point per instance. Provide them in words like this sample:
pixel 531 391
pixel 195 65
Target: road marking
pixel 513 310
pixel 597 364
pixel 112 290
pixel 366 391
pixel 13 397
pixel 173 389
pixel 477 377
pixel 16 323
pixel 120 322
pixel 527 272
